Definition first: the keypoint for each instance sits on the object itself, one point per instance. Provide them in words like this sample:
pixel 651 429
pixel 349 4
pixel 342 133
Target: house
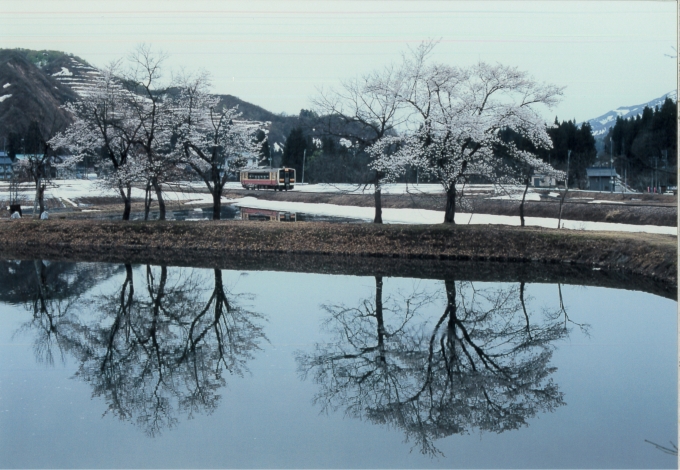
pixel 543 181
pixel 602 179
pixel 6 170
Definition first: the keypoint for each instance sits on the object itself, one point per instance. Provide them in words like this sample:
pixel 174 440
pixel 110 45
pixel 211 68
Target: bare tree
pixel 149 103
pixel 38 162
pixel 363 109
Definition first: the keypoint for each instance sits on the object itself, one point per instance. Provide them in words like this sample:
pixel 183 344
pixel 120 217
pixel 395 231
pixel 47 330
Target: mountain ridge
pixel 601 124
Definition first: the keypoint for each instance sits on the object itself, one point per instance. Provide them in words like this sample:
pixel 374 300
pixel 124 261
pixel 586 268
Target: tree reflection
pixel 483 364
pixel 51 301
pixel 160 351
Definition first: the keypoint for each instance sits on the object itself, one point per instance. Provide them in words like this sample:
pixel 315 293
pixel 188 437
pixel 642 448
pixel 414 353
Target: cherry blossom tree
pixel 456 115
pixel 148 102
pixel 364 110
pixel 106 126
pixel 211 139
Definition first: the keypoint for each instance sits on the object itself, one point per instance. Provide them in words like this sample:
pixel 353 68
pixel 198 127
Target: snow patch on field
pixel 67 200
pixel 422 216
pixel 605 202
pixel 518 197
pixel 368 189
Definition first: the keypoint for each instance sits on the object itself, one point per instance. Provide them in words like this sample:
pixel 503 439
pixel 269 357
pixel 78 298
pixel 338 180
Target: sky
pixel 276 54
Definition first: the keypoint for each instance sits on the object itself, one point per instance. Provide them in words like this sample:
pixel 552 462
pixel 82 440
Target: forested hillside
pixel 645 147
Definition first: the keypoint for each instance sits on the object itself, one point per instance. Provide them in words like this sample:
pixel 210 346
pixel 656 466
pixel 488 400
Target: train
pixel 278 179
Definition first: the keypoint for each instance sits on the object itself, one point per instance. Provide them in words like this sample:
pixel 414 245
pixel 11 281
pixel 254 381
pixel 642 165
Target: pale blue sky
pixel 275 53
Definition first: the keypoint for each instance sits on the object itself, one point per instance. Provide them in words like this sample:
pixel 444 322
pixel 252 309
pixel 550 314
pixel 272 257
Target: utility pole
pixel 611 165
pixel 665 167
pixel 304 157
pixel 656 173
pixel 568 157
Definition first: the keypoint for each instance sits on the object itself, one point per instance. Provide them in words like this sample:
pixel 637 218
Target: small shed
pixel 602 179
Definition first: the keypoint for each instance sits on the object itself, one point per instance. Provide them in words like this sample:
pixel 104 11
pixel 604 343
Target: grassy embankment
pixel 649 255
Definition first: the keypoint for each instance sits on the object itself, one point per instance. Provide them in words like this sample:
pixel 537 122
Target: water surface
pixel 146 366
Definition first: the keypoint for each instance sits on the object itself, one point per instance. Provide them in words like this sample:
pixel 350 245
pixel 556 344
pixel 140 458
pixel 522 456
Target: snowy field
pixel 70 190
pixel 423 216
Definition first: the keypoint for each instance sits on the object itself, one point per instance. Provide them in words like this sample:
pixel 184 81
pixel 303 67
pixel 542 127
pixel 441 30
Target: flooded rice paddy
pixel 105 365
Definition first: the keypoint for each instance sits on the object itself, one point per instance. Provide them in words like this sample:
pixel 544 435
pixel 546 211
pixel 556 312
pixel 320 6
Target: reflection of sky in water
pixel 230 212
pixel 619 386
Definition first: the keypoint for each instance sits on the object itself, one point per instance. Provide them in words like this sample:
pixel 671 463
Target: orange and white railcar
pixel 268 178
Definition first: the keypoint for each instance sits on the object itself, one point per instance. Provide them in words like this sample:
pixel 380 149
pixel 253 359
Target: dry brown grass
pixel 651 255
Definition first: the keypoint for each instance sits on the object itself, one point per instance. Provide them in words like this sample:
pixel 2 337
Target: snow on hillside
pixel 602 124
pixel 64 72
pixel 78 76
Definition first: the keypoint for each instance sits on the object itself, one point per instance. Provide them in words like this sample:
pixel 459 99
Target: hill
pixel 35 84
pixel 28 92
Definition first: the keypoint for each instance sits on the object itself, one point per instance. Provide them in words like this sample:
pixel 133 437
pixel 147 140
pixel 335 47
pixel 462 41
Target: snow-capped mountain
pixel 602 124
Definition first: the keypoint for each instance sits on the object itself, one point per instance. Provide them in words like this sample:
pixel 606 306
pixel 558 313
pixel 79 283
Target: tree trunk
pixel 450 212
pixel 147 200
pixel 41 198
pixel 451 308
pixel 127 200
pixel 524 309
pixel 378 205
pixel 217 204
pixel 379 317
pixel 559 219
pixel 521 205
pixel 159 197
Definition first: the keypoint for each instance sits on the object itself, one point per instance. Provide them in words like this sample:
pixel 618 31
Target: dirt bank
pixel 649 255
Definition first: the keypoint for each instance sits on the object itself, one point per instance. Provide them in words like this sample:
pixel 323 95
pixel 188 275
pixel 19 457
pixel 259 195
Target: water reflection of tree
pixel 161 351
pixel 484 364
pixel 51 301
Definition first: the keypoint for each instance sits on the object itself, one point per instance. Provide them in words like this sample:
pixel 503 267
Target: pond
pixel 109 365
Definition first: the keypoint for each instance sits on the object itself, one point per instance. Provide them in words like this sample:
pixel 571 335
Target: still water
pixel 145 366
pixel 231 212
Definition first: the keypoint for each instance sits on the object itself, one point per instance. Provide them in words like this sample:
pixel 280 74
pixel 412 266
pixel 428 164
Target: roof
pixel 601 171
pixel 5 160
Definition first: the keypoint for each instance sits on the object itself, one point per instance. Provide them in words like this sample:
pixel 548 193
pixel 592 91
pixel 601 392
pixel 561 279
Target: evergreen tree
pixel 293 153
pixel 565 136
pixel 645 147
